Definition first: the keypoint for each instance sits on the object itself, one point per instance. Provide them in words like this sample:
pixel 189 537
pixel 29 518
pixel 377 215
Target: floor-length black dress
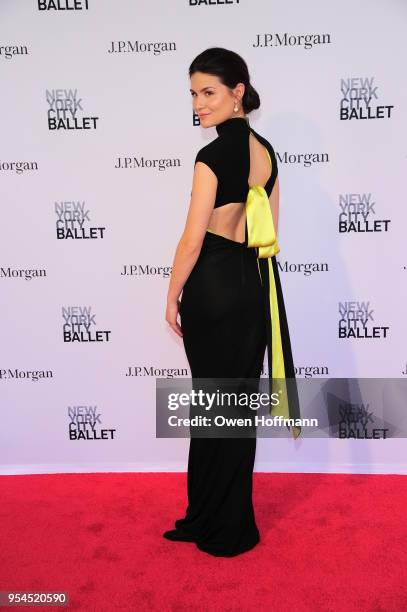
pixel 231 310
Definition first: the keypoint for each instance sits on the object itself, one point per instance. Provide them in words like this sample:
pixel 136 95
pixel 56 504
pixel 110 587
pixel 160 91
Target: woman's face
pixel 213 101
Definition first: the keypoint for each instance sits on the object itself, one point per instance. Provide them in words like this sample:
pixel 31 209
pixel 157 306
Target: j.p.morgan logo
pixel 138 46
pixel 80 325
pixel 65 111
pixel 306 371
pixel 33 375
pixel 357 421
pixel 146 270
pixel 18 167
pixel 359 100
pixel 9 51
pixel 357 321
pixel 303 268
pixel 142 162
pixel 155 371
pixel 303 159
pixel 74 222
pixel 25 273
pixel 85 423
pixel 63 5
pixel 307 41
pixel 358 214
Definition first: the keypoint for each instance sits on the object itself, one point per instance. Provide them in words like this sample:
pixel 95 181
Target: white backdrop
pixel 120 71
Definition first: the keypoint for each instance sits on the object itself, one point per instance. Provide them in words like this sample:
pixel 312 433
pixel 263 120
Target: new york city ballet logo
pixel 85 423
pixel 357 421
pixel 66 112
pixel 63 5
pixel 356 320
pixel 212 2
pixel 80 325
pixel 360 100
pixel 75 222
pixel 358 214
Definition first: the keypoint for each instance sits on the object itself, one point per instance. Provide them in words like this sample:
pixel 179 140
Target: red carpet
pixel 329 542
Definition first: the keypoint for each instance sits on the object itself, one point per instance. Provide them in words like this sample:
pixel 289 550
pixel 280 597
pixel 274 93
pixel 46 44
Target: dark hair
pixel 231 69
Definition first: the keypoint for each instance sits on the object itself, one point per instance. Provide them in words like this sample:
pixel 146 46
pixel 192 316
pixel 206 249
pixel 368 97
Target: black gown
pixel 228 321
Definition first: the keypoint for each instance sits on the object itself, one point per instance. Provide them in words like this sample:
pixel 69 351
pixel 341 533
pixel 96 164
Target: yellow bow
pixel 260 225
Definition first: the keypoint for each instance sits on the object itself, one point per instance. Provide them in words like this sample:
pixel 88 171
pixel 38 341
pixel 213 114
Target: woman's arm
pixel 203 196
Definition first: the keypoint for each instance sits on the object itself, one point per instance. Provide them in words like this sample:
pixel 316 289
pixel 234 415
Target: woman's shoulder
pixel 213 148
pixel 212 154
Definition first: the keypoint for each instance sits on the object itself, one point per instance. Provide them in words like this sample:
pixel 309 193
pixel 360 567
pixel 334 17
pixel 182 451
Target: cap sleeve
pixel 207 155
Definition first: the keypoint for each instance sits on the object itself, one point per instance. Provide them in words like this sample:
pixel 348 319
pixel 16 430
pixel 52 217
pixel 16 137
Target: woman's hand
pixel 171 316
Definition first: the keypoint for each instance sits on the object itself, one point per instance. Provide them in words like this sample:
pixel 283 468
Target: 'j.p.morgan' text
pixel 33 375
pixel 27 274
pixel 308 41
pixel 18 167
pixel 146 270
pixel 9 51
pixel 136 46
pixel 141 162
pixel 304 159
pixel 303 268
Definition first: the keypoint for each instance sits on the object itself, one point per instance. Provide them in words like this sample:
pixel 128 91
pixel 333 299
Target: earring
pixel 236 108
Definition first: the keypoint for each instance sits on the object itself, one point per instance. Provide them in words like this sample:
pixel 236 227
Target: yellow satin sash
pixel 261 233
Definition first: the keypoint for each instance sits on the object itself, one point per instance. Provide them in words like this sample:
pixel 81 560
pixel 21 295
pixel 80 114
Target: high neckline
pixel 233 125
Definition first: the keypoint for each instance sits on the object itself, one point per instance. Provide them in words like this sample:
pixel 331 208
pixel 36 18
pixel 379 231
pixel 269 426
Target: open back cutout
pixel 229 220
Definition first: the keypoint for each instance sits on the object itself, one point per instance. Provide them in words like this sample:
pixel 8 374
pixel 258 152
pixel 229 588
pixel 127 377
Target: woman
pixel 232 305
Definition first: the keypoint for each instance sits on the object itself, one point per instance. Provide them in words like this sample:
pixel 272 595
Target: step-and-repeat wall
pixel 97 145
